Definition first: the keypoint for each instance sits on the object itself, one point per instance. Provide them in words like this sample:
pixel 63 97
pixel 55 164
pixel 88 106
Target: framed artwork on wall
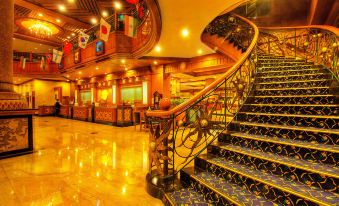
pixel 99 47
pixel 77 56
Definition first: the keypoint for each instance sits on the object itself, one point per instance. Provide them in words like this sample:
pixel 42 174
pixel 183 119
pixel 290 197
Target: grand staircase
pixel 281 148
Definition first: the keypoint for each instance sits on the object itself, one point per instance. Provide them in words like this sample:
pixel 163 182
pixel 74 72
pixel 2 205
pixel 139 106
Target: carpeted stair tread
pixel 230 191
pixel 296 105
pixel 315 167
pixel 298 88
pixel 312 129
pixel 313 194
pixel 297 69
pixel 292 115
pixel 293 75
pixel 187 196
pixel 291 142
pixel 296 81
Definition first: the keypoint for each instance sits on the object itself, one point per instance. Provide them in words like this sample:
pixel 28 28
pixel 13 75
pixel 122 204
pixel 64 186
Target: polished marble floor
pixel 78 163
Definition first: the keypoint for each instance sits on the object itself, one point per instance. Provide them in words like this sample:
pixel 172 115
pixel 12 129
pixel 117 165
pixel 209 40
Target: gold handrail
pixel 229 73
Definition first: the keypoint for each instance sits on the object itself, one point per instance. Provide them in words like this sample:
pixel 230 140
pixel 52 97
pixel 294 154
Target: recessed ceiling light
pixel 70 1
pixel 158 48
pixel 67 76
pixel 199 51
pixel 123 61
pixel 79 72
pixel 94 21
pixel 117 5
pixel 105 72
pixel 35 48
pixel 76 79
pixel 155 62
pixel 61 7
pixel 13 38
pixel 40 14
pixel 68 37
pixel 126 69
pixel 58 20
pixel 104 13
pixel 185 32
pixel 97 68
pixel 73 34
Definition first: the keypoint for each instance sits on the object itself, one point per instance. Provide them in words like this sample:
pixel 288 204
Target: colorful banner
pixel 57 56
pixel 130 26
pixel 82 40
pixel 105 28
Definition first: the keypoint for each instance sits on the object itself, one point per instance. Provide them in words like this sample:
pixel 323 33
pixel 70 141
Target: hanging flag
pixel 48 58
pixel 67 47
pixel 105 28
pixel 57 56
pixel 130 26
pixel 83 39
pixel 22 63
pixel 43 63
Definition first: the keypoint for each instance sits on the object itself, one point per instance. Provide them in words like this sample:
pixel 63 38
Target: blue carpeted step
pixel 266 184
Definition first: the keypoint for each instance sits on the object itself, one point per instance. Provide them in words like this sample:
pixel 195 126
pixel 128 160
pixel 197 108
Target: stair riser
pixel 208 193
pixel 294 78
pixel 325 83
pixel 325 123
pixel 301 135
pixel 314 110
pixel 284 170
pixel 257 188
pixel 283 149
pixel 317 91
pixel 293 100
pixel 292 72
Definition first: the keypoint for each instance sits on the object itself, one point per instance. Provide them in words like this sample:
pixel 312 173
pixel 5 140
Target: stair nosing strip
pixel 269 183
pixel 297 81
pixel 293 75
pixel 291 115
pixel 172 202
pixel 201 181
pixel 294 70
pixel 278 161
pixel 294 88
pixel 275 141
pixel 295 105
pixel 310 129
pixel 316 95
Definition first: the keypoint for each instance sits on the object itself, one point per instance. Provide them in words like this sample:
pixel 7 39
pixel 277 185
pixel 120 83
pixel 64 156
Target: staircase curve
pixel 264 133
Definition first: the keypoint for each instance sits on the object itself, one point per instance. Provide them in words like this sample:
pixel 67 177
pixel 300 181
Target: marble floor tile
pixel 78 163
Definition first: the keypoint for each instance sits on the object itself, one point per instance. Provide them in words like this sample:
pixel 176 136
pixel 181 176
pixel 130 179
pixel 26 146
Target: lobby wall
pixel 44 91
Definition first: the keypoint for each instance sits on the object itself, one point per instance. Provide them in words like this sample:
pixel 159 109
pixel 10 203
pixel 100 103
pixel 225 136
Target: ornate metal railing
pixel 318 44
pixel 177 136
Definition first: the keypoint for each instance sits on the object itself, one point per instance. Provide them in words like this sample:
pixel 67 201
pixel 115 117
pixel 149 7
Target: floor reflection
pixel 78 163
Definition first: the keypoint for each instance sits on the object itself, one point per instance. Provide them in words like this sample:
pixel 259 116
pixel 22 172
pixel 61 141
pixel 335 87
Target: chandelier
pixel 39 28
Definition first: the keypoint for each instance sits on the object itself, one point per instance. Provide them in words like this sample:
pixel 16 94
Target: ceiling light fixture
pixel 38 27
pixel 158 48
pixel 155 62
pixel 97 68
pixel 123 61
pixel 58 20
pixel 185 32
pixel 61 7
pixel 199 51
pixel 94 21
pixel 117 5
pixel 40 14
pixel 79 72
pixel 104 13
pixel 73 34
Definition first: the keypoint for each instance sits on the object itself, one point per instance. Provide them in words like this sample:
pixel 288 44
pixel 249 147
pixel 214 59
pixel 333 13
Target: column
pixel 6 50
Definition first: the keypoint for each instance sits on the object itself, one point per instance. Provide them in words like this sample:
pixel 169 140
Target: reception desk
pixel 80 112
pixel 65 111
pixel 105 115
pixel 124 116
pixel 46 110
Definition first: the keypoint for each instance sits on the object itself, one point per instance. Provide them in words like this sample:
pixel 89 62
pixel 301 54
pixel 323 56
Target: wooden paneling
pixel 34 68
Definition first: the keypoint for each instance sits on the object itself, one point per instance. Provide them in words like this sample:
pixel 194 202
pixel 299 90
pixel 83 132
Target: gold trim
pixel 291 115
pixel 295 105
pixel 296 88
pixel 269 183
pixel 292 143
pixel 316 95
pixel 201 181
pixel 296 75
pixel 170 199
pixel 310 129
pixel 324 172
pixel 302 81
pixel 275 71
